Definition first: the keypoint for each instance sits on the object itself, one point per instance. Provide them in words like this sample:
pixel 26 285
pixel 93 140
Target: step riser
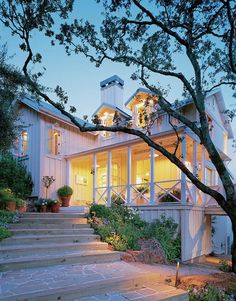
pixel 47 240
pixel 54 221
pixel 53 215
pixel 6 254
pixel 48 226
pixel 52 232
pixel 101 258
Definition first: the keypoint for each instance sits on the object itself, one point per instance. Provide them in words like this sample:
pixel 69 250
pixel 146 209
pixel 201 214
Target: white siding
pixel 30 119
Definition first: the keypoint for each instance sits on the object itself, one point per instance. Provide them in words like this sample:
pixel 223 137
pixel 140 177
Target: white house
pixel 101 166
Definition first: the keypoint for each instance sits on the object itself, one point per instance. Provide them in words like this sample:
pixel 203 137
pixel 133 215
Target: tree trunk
pixel 233 220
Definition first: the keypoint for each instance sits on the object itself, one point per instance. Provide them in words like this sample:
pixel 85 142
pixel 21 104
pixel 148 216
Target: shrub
pixel 208 293
pixel 165 231
pixel 100 211
pixel 65 191
pixel 14 175
pixel 4 233
pixel 224 266
pixel 20 203
pixel 6 216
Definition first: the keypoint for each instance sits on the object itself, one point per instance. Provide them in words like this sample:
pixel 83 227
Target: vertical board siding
pixel 30 119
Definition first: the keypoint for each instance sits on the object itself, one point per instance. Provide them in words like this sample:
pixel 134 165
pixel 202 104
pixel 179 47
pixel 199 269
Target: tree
pixel 152 37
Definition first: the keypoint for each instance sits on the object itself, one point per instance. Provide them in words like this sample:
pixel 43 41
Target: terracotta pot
pixel 43 209
pixel 65 201
pixel 11 206
pixel 22 209
pixel 55 208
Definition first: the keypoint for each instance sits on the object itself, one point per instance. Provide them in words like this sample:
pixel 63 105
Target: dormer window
pixel 107 120
pixel 54 141
pixel 140 111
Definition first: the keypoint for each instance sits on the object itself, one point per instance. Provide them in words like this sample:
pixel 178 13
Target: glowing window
pixel 140 114
pixel 107 120
pixel 54 144
pixel 24 143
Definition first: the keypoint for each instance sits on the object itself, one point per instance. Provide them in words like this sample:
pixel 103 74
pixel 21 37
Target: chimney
pixel 112 91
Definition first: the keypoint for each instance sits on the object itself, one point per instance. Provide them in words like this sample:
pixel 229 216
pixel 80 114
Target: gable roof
pixel 46 108
pixel 110 106
pixel 138 91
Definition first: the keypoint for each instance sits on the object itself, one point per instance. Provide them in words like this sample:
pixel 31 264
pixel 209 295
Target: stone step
pixel 149 292
pixel 52 215
pixel 30 239
pixel 48 226
pixel 55 220
pixel 24 250
pixel 25 232
pixel 81 257
pixel 88 286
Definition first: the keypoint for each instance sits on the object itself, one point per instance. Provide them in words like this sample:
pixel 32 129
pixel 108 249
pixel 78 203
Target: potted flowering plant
pixel 41 205
pixel 65 194
pixel 20 205
pixel 54 205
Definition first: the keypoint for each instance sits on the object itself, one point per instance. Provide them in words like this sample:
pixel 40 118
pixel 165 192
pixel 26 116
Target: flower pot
pixel 43 209
pixel 22 209
pixel 55 208
pixel 11 206
pixel 65 201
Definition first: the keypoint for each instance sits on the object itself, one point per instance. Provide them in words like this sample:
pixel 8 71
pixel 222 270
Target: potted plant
pixel 65 194
pixel 54 205
pixel 8 199
pixel 142 189
pixel 41 205
pixel 20 205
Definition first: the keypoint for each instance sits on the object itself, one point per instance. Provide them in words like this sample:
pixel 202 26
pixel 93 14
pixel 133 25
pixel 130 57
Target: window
pixel 24 143
pixel 107 120
pixel 54 141
pixel 139 111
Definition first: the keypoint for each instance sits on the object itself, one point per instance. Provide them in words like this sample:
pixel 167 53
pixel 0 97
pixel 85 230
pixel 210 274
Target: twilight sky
pixel 80 78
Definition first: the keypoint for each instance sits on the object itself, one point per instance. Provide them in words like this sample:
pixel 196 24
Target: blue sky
pixel 79 77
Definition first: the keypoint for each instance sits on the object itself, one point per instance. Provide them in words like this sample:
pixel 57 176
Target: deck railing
pixel 139 194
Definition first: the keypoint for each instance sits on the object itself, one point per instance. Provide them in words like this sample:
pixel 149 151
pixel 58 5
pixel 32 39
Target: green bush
pixel 20 203
pixel 165 231
pixel 224 266
pixel 65 191
pixel 14 175
pixel 4 233
pixel 100 211
pixel 6 216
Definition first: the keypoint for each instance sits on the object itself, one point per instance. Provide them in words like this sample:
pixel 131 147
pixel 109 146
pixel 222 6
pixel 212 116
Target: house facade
pixel 102 166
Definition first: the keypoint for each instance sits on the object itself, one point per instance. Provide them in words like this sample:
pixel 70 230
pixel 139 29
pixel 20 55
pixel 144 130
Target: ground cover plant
pixel 122 227
pixel 5 218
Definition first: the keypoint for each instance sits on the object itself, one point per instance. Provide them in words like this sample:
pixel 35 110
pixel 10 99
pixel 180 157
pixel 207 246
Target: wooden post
pixel 109 179
pixel 194 190
pixel 94 171
pixel 203 173
pixel 183 176
pixel 152 177
pixel 129 175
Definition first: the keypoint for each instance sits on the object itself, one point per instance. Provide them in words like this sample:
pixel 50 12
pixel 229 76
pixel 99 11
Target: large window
pixel 24 143
pixel 54 141
pixel 140 113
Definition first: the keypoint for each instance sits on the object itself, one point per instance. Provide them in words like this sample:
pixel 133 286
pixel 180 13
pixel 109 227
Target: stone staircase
pixel 58 257
pixel 44 239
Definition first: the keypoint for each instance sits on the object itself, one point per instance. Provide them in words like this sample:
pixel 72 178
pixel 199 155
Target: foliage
pixel 117 199
pixel 224 266
pixel 65 191
pixel 118 225
pixel 20 203
pixel 208 293
pixel 41 202
pixel 123 228
pixel 4 233
pixel 165 231
pixel 143 188
pixel 14 175
pixel 47 181
pixel 7 217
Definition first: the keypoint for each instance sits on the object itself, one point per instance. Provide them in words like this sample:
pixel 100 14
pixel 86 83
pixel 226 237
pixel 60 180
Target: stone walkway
pixel 56 277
